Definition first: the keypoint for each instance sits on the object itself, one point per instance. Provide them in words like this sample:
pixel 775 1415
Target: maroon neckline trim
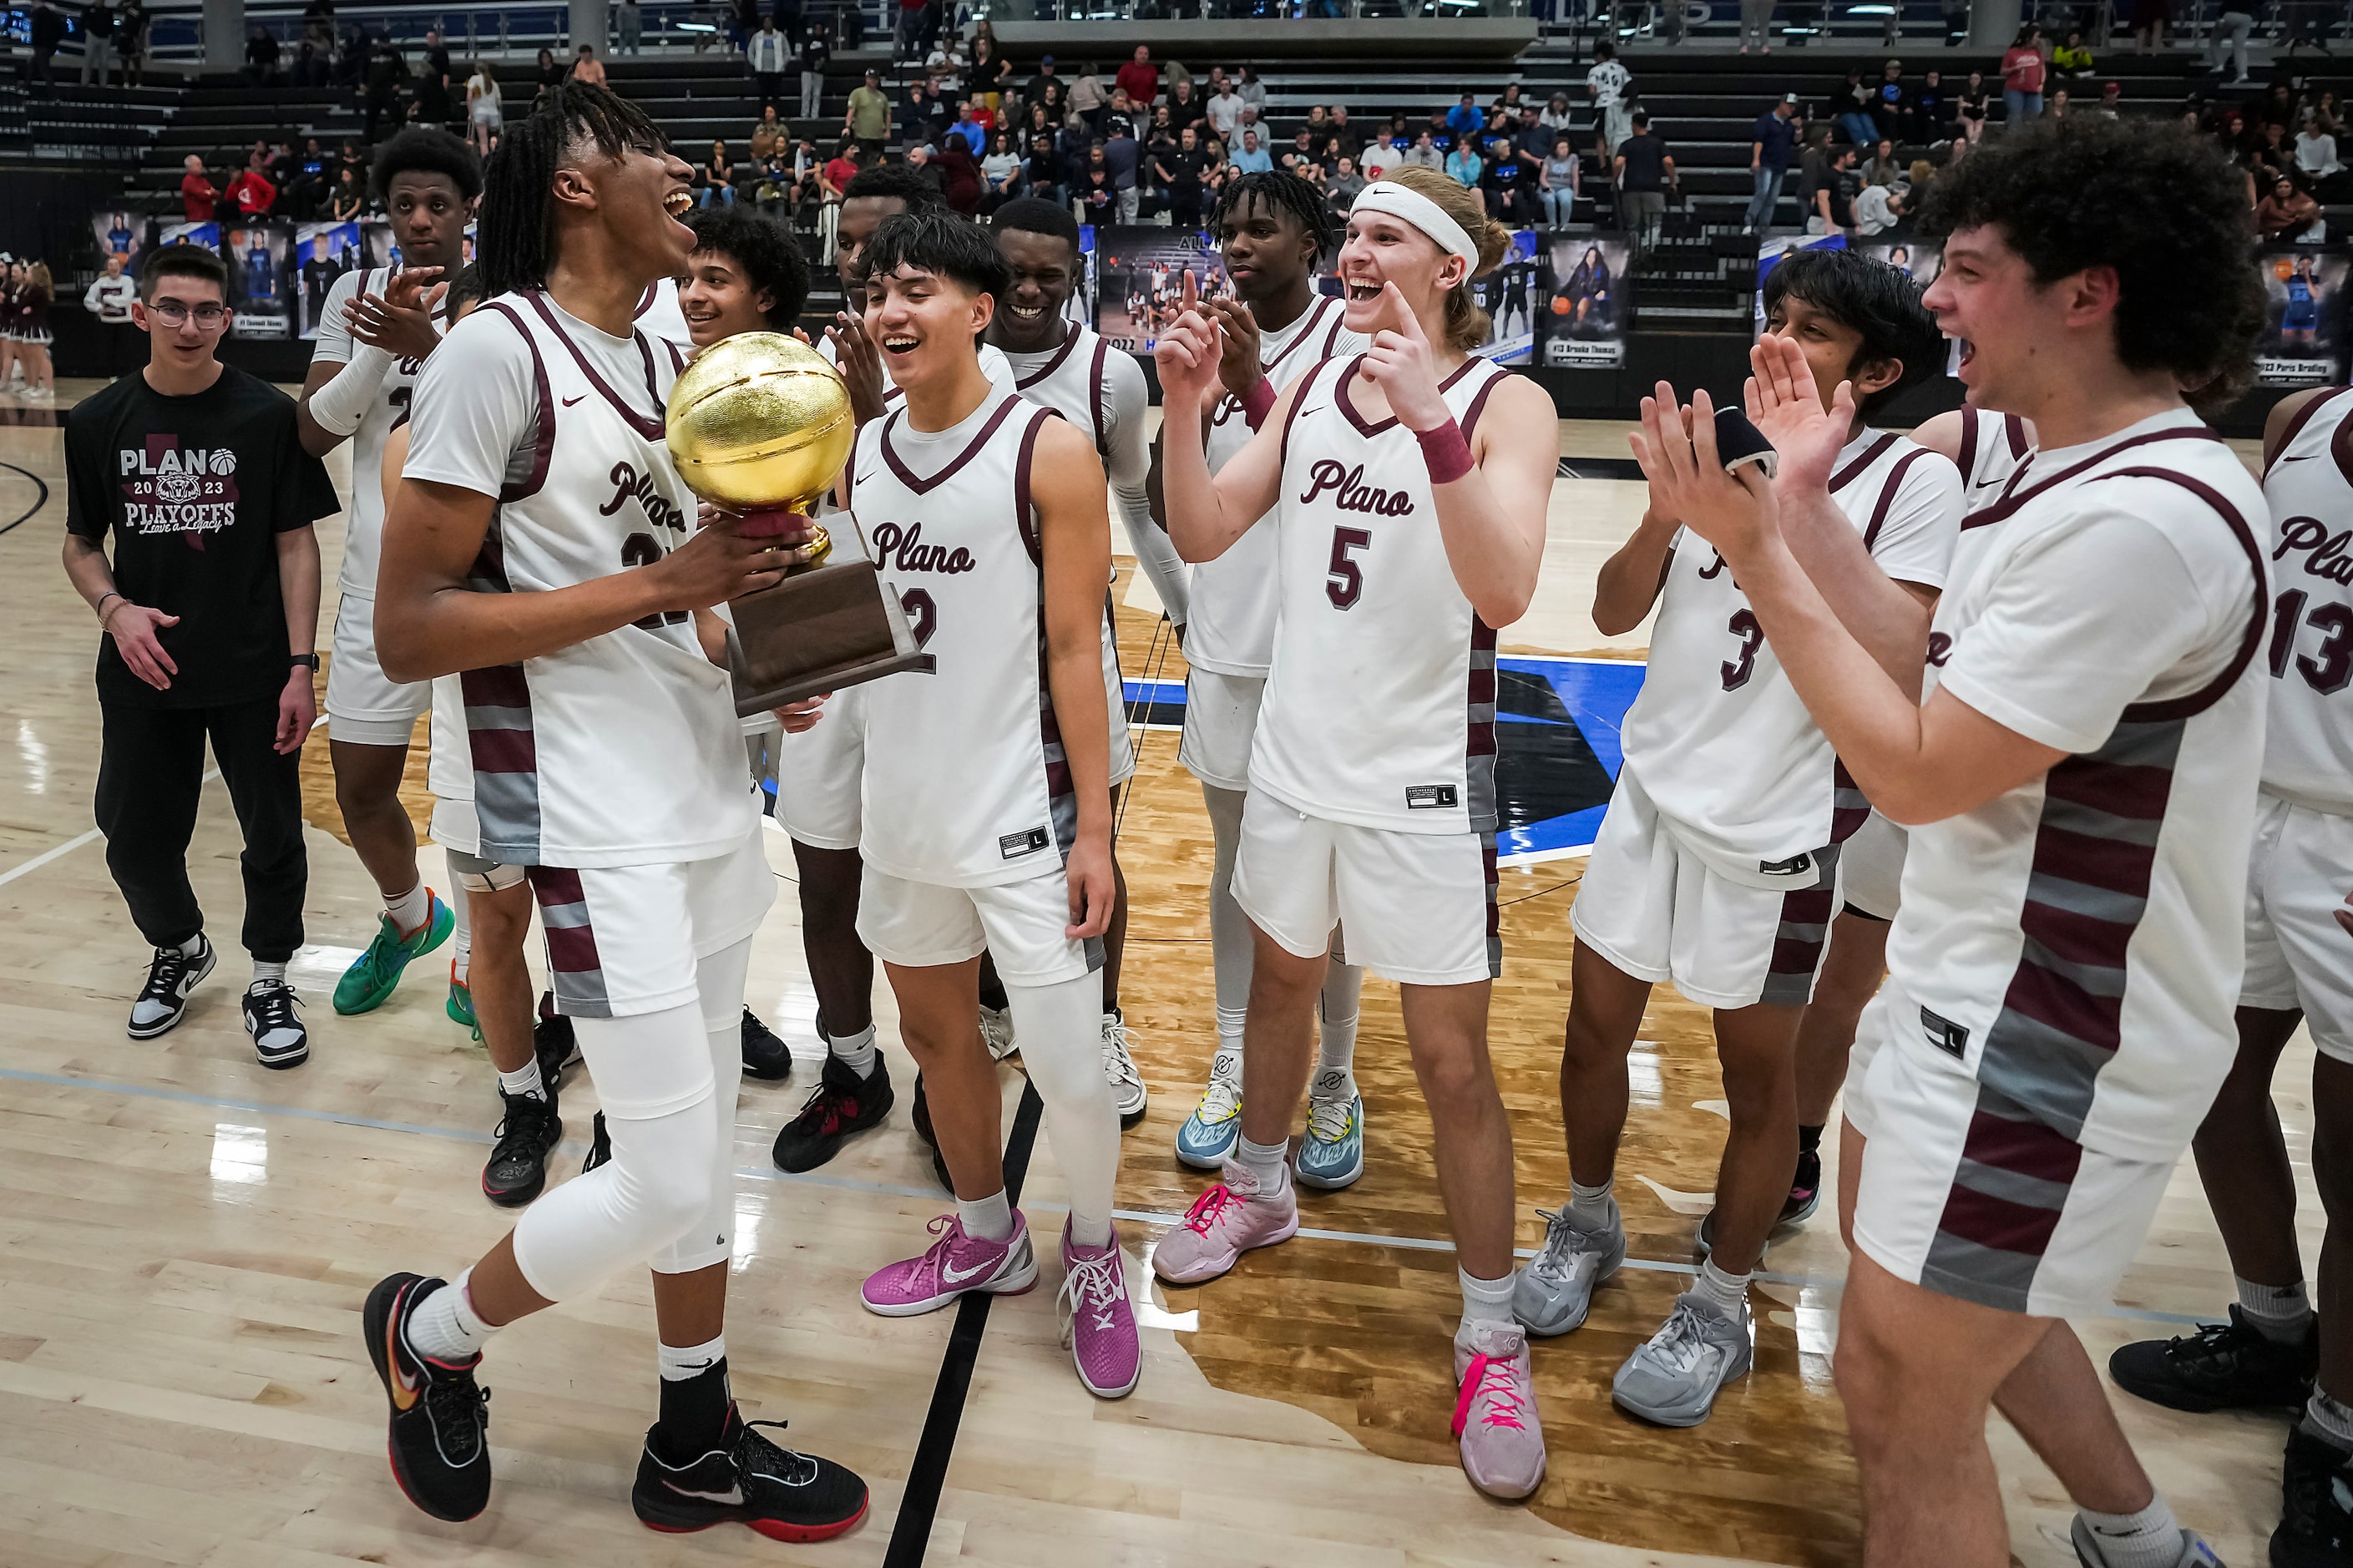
pixel 2007 504
pixel 972 449
pixel 1869 455
pixel 649 427
pixel 1024 382
pixel 1350 409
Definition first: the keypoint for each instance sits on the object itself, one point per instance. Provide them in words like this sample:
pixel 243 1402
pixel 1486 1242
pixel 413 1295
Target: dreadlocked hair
pixel 512 245
pixel 1281 191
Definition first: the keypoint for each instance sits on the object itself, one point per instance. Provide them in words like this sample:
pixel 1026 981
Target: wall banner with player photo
pixel 1586 301
pixel 260 278
pixel 324 252
pixel 2303 339
pixel 123 233
pixel 1509 295
pixel 1140 281
pixel 1922 260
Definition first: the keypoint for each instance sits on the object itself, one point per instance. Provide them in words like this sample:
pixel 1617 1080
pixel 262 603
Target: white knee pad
pixel 476 875
pixel 1060 1029
pixel 718 985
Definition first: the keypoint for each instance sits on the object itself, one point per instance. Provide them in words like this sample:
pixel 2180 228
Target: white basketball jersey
pixel 1231 627
pixel 364 520
pixel 1718 737
pixel 659 315
pixel 993 364
pixel 965 782
pixel 622 749
pixel 1380 694
pixel 2075 944
pixel 2308 738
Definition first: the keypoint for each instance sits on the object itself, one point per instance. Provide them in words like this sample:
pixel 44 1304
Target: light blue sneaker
pixel 1211 1134
pixel 1332 1156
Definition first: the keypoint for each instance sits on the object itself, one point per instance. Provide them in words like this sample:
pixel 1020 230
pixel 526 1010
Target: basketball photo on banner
pixel 260 280
pixel 1140 281
pixel 1587 308
pixel 2302 341
pixel 1509 296
pixel 120 233
pixel 1920 260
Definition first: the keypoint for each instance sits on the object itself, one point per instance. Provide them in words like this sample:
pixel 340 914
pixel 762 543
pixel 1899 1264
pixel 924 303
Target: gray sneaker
pixel 1673 1379
pixel 1555 1289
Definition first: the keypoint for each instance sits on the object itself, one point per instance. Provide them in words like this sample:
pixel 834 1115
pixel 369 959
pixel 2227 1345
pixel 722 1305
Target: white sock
pixel 2330 1419
pixel 855 1051
pixel 1728 1293
pixel 270 972
pixel 1230 1034
pixel 1262 1162
pixel 525 1081
pixel 444 1327
pixel 193 946
pixel 989 1218
pixel 2149 1539
pixel 1589 1207
pixel 2282 1313
pixel 412 909
pixel 680 1363
pixel 1486 1300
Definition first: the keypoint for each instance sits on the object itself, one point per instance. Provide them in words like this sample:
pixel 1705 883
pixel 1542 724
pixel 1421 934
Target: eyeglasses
pixel 174 313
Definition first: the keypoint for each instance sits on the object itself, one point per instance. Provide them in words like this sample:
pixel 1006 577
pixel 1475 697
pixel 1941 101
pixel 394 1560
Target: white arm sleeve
pixel 344 402
pixel 1129 465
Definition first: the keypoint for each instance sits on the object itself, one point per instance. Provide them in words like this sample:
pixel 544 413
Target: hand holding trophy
pixel 760 426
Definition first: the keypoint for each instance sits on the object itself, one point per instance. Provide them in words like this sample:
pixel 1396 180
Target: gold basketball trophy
pixel 760 426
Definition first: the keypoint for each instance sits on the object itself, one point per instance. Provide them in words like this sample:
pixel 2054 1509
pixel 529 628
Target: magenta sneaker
pixel 1224 1222
pixel 954 1264
pixel 1495 1415
pixel 1098 1318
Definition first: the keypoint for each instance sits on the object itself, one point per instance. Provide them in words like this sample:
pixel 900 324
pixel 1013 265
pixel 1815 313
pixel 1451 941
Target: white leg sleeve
pixel 1060 1029
pixel 1230 930
pixel 719 979
pixel 462 940
pixel 652 1071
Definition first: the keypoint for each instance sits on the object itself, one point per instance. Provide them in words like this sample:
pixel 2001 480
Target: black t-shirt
pixel 196 490
pixel 1646 162
pixel 1184 168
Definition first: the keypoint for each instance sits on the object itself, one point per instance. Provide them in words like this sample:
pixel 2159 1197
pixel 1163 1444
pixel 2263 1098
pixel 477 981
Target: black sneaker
pixel 552 1043
pixel 439 1448
pixel 844 1103
pixel 600 1146
pixel 2316 1527
pixel 163 1000
pixel 1805 1191
pixel 278 1038
pixel 527 1135
pixel 922 1119
pixel 747 1479
pixel 2222 1366
pixel 764 1056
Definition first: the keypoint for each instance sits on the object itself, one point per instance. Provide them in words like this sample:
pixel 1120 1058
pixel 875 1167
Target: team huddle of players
pixel 2037 658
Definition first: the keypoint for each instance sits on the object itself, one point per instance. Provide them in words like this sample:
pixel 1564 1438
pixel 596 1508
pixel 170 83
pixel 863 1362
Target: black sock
pixel 695 1412
pixel 992 990
pixel 1809 1140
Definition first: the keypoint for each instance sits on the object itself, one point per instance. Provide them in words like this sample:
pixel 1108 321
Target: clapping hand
pixel 1238 350
pixel 1784 404
pixel 400 319
pixel 1676 448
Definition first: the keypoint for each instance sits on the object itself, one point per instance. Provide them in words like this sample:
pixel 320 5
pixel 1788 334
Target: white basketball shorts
pixel 1660 913
pixel 1220 717
pixel 1123 745
pixel 820 772
pixel 1871 868
pixel 2299 957
pixel 920 925
pixel 1419 908
pixel 363 706
pixel 624 940
pixel 1963 1193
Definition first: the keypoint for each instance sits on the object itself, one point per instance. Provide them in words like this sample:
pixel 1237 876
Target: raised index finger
pixel 1192 290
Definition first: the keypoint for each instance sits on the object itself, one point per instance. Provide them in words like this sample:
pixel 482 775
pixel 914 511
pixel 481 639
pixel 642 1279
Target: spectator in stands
pixel 1925 120
pixel 742 21
pixel 1532 140
pixel 1382 157
pixel 770 136
pixel 630 23
pixel 1757 21
pixel 989 73
pixel 1301 152
pixel 45 28
pixel 1877 209
pixel 1508 184
pixel 945 66
pixel 714 182
pixel 1772 143
pixel 868 118
pixel 814 53
pixel 1560 179
pixel 260 57
pixel 1462 164
pixel 1646 172
pixel 2148 19
pixel 433 86
pixel 1043 173
pixel 766 55
pixel 2316 153
pixel 1343 134
pixel 485 108
pixel 109 299
pixel 1508 100
pixel 548 77
pixel 1605 84
pixel 1087 95
pixel 587 68
pixel 2112 101
pixel 1891 102
pixel 2072 61
pixel 1250 158
pixel 305 193
pixel 251 193
pixel 97 41
pixel 976 124
pixel 131 42
pixel 1185 107
pixel 2286 213
pixel 196 193
pixel 1465 120
pixel 838 170
pixel 1834 198
pixel 1884 168
pixel 2057 105
pixel 2021 79
pixel 1121 111
pixel 960 179
pixel 1972 104
pixel 1253 120
pixel 1122 153
pixel 1000 174
pixel 1424 152
pixel 1096 197
pixel 1140 77
pixel 1849 109
pixel 1554 115
pixel 350 198
pixel 1252 90
pixel 1225 110
pixel 907 37
pixel 387 73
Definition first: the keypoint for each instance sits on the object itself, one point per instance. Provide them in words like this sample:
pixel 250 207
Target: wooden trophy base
pixel 821 629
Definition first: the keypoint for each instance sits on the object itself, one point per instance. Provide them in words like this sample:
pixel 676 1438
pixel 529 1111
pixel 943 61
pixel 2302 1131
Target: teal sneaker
pixel 1209 1134
pixel 460 1005
pixel 1332 1156
pixel 370 979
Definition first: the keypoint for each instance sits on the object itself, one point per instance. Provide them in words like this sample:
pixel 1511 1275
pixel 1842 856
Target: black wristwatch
pixel 308 658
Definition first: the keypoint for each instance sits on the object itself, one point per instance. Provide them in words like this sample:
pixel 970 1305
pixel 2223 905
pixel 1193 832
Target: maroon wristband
pixel 1446 452
pixel 1258 402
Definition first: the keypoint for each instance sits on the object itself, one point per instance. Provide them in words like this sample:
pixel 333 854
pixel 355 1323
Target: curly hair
pixel 428 150
pixel 2164 208
pixel 892 179
pixel 1876 301
pixel 767 252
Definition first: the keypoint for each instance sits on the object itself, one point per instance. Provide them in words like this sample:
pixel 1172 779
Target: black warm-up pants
pixel 149 776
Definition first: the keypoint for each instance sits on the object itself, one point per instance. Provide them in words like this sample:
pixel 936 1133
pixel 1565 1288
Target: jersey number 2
pixel 1346 582
pixel 2329 669
pixel 923 615
pixel 643 550
pixel 1743 625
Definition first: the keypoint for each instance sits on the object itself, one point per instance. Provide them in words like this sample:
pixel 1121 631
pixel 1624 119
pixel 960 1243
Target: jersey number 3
pixel 2329 669
pixel 1736 671
pixel 1345 583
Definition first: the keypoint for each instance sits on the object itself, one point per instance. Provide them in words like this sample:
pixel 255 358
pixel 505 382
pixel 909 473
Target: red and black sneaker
pixel 747 1479
pixel 844 1103
pixel 439 1444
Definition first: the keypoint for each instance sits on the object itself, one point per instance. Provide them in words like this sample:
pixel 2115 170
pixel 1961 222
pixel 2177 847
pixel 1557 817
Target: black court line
pixel 919 1504
pixel 1598 468
pixel 39 501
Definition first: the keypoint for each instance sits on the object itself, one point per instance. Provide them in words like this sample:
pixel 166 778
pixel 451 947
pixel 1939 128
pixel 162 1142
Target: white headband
pixel 1404 202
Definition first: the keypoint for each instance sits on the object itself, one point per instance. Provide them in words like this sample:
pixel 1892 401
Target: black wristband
pixel 1738 441
pixel 310 660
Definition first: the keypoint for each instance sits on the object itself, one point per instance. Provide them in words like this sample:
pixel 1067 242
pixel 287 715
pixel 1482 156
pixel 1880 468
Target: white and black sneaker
pixel 278 1038
pixel 1127 1090
pixel 163 1000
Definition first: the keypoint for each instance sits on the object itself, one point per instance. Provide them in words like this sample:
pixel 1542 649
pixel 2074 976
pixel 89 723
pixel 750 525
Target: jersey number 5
pixel 1736 671
pixel 1346 583
pixel 2329 669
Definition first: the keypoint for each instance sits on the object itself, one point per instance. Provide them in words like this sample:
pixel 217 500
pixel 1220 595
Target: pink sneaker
pixel 954 1264
pixel 1495 1415
pixel 1224 1222
pixel 1098 1318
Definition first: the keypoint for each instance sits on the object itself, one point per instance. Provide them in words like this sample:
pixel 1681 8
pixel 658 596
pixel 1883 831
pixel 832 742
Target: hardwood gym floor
pixel 184 1239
